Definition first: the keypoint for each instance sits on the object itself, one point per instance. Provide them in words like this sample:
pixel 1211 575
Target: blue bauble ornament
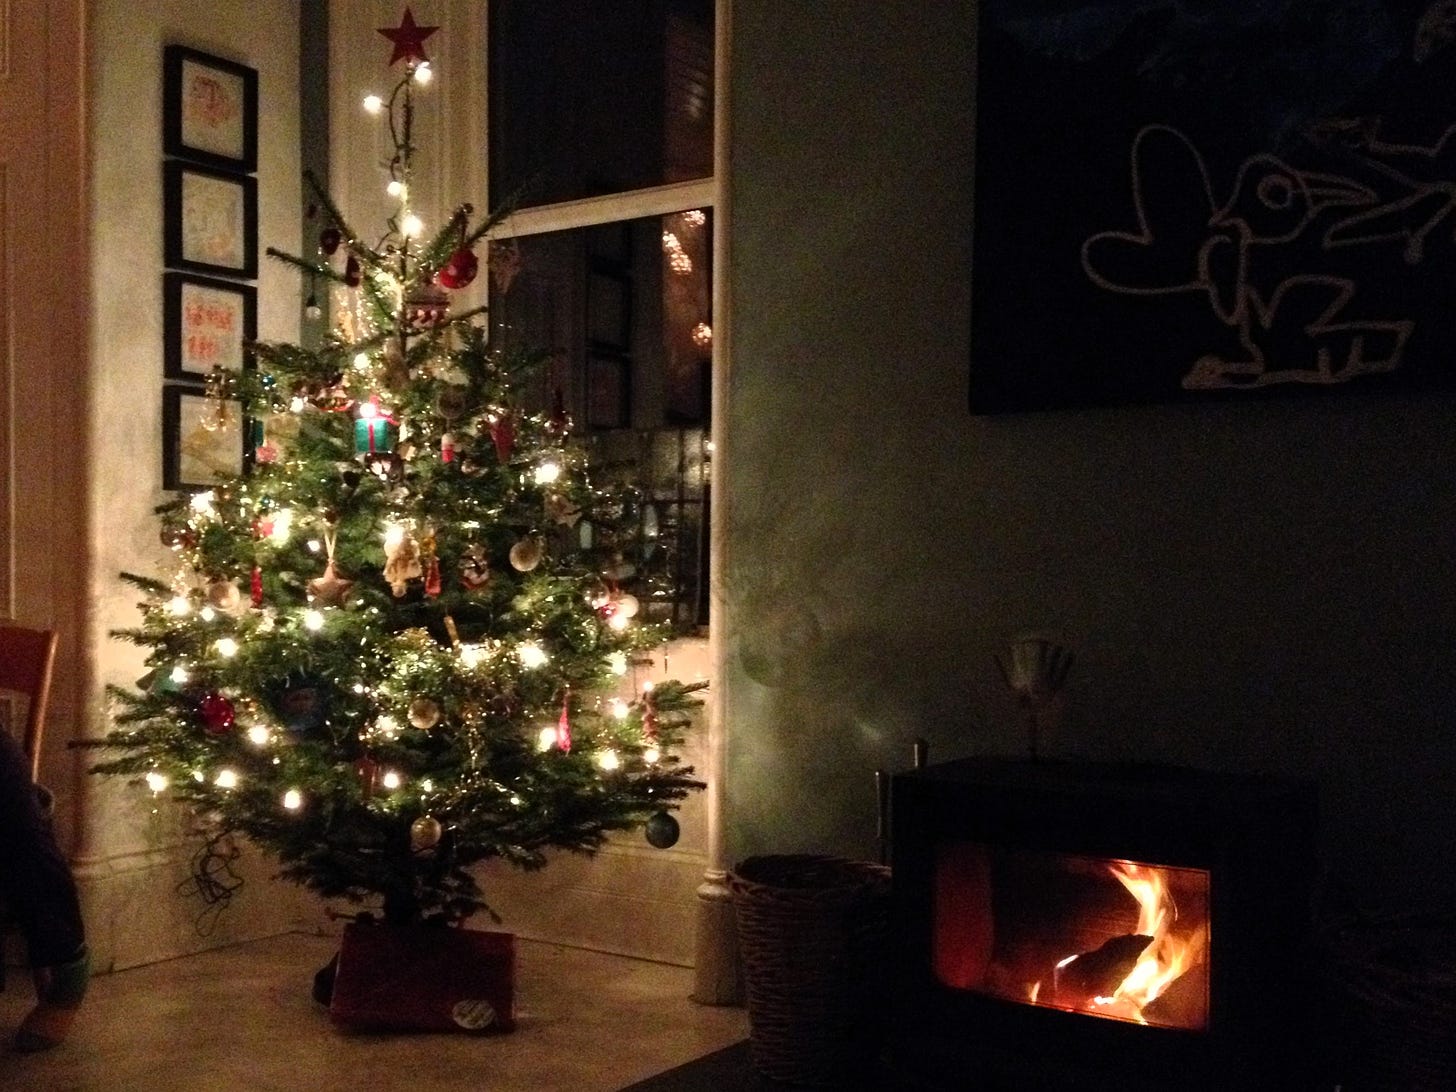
pixel 662 830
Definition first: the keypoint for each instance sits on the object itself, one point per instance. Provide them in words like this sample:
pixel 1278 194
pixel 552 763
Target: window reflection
pixel 592 97
pixel 625 311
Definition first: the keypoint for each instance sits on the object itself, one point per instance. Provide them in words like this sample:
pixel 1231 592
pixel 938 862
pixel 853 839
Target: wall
pixel 130 858
pixel 1254 586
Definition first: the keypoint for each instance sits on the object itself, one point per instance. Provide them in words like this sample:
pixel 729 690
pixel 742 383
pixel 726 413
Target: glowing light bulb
pixel 282 525
pixel 618 621
pixel 361 362
pixel 258 735
pixel 617 663
pixel 390 780
pixel 179 605
pixel 470 656
pixel 207 614
pixel 296 404
pixel 387 726
pixel 373 104
pixel 313 620
pixel 648 686
pixel 427 785
pixel 226 779
pixel 702 335
pixel 548 472
pixel 393 536
pixel 411 226
pixel 515 801
pixel 293 800
pixel 202 503
pixel 651 756
pixel 608 760
pixel 424 73
pixel 546 739
pixel 532 655
pixel 226 647
pixel 314 545
pixel 157 781
pixel 620 709
pixel 395 188
pixel 180 675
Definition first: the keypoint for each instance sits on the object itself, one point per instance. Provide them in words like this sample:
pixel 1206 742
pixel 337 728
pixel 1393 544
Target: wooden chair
pixel 26 659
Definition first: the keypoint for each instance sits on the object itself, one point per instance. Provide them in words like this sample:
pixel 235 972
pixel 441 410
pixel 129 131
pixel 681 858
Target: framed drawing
pixel 210 220
pixel 209 109
pixel 198 443
pixel 208 323
pixel 608 391
pixel 1185 203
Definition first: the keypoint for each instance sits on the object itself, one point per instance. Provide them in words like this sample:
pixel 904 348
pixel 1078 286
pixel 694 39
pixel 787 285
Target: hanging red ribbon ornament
pixel 257 587
pixel 563 725
pixel 503 435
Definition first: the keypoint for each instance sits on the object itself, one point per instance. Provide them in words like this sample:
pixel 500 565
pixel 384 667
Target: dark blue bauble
pixel 662 830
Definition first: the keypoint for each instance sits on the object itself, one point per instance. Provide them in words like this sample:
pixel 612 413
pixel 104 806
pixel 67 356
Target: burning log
pixel 1184 1004
pixel 1080 978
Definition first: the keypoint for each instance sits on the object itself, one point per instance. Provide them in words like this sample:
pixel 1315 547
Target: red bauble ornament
pixel 218 714
pixel 329 239
pixel 460 270
pixel 257 586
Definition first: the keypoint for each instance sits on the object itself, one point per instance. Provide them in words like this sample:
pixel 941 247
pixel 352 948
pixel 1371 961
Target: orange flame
pixel 1166 957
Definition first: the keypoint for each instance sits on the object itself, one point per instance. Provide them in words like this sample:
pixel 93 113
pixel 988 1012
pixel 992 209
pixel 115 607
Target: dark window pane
pixel 589 97
pixel 624 311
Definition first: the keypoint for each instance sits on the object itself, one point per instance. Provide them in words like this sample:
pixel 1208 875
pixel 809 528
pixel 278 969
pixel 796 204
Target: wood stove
pixel 1088 926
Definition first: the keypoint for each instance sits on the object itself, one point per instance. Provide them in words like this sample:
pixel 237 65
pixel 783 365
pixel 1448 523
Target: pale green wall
pixel 1266 586
pixel 130 858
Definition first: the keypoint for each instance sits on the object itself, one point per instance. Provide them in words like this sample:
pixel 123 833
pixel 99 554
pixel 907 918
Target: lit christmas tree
pixel 389 650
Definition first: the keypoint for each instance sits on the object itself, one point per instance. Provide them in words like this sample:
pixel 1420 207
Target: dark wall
pixel 1264 585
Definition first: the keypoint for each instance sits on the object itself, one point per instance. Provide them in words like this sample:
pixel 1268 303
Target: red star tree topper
pixel 408 38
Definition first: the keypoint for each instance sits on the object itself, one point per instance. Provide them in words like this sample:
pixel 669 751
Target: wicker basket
pixel 1393 986
pixel 813 932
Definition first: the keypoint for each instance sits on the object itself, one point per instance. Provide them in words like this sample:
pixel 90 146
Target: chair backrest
pixel 26 658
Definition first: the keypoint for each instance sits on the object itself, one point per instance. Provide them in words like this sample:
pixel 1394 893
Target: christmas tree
pixel 389 650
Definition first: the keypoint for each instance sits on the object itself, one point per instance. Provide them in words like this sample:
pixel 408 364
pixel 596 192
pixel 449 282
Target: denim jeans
pixel 36 885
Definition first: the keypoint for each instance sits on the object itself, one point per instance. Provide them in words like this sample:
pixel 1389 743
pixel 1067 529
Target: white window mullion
pixel 589 211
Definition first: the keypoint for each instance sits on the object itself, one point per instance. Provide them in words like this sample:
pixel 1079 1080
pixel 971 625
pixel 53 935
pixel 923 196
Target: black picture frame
pixel 207 322
pixel 193 456
pixel 210 220
pixel 209 109
pixel 608 391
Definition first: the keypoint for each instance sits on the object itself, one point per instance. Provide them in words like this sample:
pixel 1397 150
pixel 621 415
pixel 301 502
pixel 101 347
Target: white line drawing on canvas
pixel 1238 254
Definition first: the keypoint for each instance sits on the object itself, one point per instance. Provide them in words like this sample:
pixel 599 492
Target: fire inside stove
pixel 1122 940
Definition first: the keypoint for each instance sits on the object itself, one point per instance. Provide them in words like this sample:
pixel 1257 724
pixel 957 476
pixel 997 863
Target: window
pixel 600 116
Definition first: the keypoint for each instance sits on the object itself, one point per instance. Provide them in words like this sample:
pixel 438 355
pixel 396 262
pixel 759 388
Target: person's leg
pixel 38 889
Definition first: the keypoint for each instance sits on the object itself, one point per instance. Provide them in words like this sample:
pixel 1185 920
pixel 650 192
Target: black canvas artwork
pixel 1225 199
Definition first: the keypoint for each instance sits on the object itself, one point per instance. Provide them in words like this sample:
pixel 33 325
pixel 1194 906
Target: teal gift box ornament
pixel 374 430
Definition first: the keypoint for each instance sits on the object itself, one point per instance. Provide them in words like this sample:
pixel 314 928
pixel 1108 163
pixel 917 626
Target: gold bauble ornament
pixel 424 713
pixel 425 833
pixel 527 554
